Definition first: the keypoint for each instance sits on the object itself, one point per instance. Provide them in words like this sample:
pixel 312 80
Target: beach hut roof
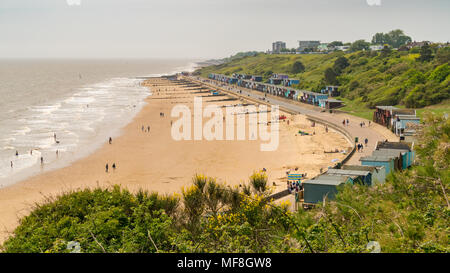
pixel 361 168
pixel 394 145
pixel 328 180
pixel 376 158
pixel 348 172
pixel 408 117
pixel 396 152
pixel 387 107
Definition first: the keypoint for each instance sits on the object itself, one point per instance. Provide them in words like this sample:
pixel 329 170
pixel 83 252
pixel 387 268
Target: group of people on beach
pixel 42 158
pixel 294 186
pixel 147 130
pixel 346 122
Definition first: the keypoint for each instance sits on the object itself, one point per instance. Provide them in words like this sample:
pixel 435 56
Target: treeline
pixel 409 213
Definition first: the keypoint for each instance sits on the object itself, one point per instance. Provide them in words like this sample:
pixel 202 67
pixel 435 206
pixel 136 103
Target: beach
pixel 154 161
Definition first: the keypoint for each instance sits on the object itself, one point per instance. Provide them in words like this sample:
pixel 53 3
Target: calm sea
pixel 83 102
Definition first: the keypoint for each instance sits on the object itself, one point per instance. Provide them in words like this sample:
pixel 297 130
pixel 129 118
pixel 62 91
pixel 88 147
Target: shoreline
pixel 84 144
pixel 154 162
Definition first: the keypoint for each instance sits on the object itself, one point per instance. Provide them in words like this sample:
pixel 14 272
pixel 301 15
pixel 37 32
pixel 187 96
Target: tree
pixel 398 38
pixel 426 54
pixel 359 45
pixel 298 67
pixel 340 64
pixel 386 51
pixel 331 76
pixel 379 39
pixel 394 38
pixel 443 55
pixel 335 44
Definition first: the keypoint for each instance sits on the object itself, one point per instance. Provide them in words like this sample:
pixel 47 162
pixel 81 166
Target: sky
pixel 203 29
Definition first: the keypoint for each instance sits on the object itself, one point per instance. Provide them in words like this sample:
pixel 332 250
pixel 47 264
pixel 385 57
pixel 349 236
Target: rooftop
pixel 394 145
pixel 348 172
pixel 376 158
pixel 388 152
pixel 387 107
pixel 328 180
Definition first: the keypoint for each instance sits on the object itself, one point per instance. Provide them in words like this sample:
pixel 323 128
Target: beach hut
pixel 290 82
pixel 378 173
pixel 280 76
pixel 257 78
pixel 315 190
pixel 386 161
pixel 275 81
pixel 332 91
pixel 384 115
pixel 363 177
pixel 332 103
pixel 402 123
pixel 404 146
pixel 396 155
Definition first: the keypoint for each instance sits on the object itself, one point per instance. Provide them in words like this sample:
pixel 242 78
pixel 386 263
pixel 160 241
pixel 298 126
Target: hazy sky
pixel 203 28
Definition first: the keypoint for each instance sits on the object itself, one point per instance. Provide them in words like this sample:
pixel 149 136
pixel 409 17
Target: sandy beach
pixel 154 161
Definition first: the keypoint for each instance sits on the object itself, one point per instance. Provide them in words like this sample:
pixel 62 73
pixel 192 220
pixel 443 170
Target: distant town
pixel 395 40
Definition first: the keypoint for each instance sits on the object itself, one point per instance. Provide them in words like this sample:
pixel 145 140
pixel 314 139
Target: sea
pixel 63 110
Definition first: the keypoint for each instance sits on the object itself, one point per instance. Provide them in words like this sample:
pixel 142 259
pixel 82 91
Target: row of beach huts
pixel 403 122
pixel 281 85
pixel 388 157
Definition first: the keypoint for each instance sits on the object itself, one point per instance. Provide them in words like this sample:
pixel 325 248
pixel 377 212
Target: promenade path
pixel 373 133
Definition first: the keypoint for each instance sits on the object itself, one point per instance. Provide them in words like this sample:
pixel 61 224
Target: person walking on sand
pixel 366 141
pixel 114 166
pixel 57 153
pixel 11 164
pixel 347 122
pixel 106 167
pixel 17 153
pixel 54 136
pixel 142 128
pixel 110 140
pixel 148 128
pixel 42 160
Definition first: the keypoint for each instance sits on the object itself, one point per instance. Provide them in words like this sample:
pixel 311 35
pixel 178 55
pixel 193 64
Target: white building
pixel 278 46
pixel 343 48
pixel 376 47
pixel 302 45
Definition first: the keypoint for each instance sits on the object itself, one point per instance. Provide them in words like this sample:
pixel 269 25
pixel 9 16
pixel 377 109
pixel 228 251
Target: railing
pixel 344 132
